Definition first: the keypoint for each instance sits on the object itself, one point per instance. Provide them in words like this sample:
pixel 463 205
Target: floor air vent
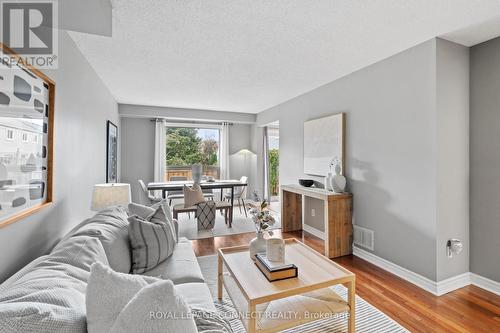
pixel 364 237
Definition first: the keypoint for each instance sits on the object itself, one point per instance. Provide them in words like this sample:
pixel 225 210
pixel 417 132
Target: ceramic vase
pixel 338 182
pixel 328 182
pixel 257 245
pixel 196 171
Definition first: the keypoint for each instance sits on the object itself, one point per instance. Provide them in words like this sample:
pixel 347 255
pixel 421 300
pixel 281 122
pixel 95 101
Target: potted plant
pixel 263 219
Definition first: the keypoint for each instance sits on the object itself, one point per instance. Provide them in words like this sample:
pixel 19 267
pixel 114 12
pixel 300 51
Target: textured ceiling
pixel 247 56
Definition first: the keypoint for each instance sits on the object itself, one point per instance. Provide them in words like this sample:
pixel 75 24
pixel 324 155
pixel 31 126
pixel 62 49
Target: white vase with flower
pixel 263 220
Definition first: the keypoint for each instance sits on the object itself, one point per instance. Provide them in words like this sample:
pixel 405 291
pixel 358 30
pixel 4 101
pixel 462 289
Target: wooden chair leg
pixel 239 204
pixel 244 207
pixel 170 202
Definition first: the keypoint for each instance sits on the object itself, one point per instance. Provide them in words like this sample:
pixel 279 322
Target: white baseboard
pixel 313 231
pixel 405 274
pixel 436 288
pixel 485 283
pixel 453 283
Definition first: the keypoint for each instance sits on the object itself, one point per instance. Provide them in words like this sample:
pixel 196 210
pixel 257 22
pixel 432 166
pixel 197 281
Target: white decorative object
pixel 323 138
pixel 112 194
pixel 338 182
pixel 196 171
pixel 257 245
pixel 275 249
pixel 263 219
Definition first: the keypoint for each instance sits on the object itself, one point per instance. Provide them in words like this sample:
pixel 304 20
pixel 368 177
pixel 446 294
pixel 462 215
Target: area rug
pixel 368 318
pixel 241 224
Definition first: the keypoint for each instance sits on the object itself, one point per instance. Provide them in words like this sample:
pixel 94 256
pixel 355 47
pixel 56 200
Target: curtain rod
pixel 193 122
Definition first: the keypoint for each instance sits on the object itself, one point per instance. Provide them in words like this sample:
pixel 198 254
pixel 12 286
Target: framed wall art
pixel 324 141
pixel 111 152
pixel 26 138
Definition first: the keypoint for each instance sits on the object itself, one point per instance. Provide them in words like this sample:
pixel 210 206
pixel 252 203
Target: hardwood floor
pixel 468 309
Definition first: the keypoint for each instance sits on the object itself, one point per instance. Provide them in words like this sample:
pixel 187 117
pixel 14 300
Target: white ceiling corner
pixel 247 56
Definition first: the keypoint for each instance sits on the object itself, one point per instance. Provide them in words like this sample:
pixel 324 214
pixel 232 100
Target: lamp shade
pixel 245 152
pixel 107 195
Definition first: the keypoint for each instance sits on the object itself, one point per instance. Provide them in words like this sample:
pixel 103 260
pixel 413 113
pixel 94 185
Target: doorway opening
pixel 273 142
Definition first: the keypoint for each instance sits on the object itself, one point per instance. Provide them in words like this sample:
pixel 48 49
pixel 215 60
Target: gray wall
pixel 83 104
pixel 485 159
pixel 392 147
pixel 452 100
pixel 318 220
pixel 137 142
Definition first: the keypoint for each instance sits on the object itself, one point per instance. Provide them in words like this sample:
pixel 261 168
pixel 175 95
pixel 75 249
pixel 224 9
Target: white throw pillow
pixel 108 292
pixel 193 195
pixel 155 308
pixel 118 302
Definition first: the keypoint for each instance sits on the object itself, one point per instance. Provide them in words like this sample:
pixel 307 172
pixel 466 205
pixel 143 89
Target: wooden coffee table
pixel 274 306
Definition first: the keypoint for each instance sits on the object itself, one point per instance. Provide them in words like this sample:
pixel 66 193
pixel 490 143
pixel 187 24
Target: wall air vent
pixel 364 237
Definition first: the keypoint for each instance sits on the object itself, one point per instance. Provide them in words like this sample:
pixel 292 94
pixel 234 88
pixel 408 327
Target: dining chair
pixel 239 194
pixel 145 197
pixel 207 192
pixel 172 195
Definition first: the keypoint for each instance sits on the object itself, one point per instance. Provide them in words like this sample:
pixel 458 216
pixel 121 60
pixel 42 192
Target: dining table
pixel 178 185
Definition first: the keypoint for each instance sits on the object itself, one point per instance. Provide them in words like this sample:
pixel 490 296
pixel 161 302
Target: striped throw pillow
pixel 151 241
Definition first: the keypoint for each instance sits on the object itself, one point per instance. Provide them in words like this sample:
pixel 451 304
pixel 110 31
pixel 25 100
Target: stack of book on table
pixel 275 270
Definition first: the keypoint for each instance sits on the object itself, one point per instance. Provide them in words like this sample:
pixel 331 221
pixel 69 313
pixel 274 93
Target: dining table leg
pixel 232 208
pixel 164 194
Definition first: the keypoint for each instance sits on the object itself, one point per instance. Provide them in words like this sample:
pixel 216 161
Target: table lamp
pixel 107 195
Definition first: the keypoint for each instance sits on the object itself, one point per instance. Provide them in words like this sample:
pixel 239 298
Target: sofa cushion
pixel 196 295
pixel 50 296
pixel 151 242
pixel 111 227
pixel 180 267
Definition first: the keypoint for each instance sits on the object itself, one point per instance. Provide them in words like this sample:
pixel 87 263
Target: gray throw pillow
pixel 152 242
pixel 152 213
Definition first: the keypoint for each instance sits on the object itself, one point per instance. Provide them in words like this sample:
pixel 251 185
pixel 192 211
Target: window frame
pixel 215 126
pixel 7 137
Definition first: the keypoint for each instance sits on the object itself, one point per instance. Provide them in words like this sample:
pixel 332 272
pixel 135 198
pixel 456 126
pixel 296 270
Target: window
pixel 34 138
pixel 10 134
pixel 192 145
pixel 25 137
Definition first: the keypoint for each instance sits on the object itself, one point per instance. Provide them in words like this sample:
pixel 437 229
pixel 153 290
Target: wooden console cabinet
pixel 337 216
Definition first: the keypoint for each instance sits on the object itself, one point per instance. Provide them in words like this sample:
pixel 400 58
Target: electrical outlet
pixel 313 212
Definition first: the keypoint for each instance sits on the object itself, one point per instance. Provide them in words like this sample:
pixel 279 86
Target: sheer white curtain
pixel 160 162
pixel 265 164
pixel 224 151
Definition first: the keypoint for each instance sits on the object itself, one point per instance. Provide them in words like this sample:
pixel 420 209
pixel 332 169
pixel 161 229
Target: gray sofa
pixel 49 293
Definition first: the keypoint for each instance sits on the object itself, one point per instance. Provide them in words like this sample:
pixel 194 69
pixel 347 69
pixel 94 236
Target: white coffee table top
pixel 315 271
